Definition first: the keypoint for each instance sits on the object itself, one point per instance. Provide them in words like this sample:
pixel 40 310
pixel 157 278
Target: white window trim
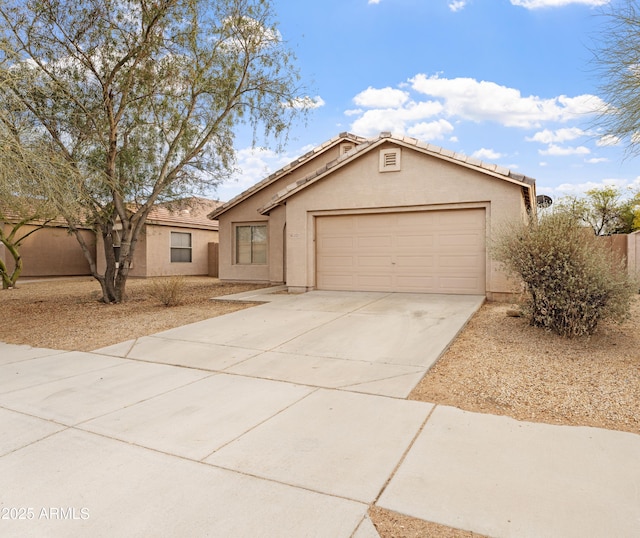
pixel 172 247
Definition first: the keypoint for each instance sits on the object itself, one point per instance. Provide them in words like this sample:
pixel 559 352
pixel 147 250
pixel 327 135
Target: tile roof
pixel 367 144
pixel 342 137
pixel 189 213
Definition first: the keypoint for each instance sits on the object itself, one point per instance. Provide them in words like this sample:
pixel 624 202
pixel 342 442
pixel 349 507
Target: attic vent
pixel 346 147
pixel 389 160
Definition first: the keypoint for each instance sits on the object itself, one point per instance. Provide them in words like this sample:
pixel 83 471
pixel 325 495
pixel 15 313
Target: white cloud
pixel 559 151
pixel 487 101
pixel 538 4
pixel 434 130
pixel 457 5
pixel 568 189
pixel 395 120
pixel 548 136
pixel 597 160
pixel 608 140
pixel 252 165
pixel 381 98
pixel 353 112
pixel 488 154
pixel 374 2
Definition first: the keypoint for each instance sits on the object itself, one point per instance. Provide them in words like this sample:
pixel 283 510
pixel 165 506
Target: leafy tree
pixel 605 210
pixel 31 171
pixel 143 98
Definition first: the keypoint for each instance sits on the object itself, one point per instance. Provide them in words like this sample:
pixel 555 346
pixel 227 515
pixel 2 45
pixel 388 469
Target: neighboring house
pixel 50 251
pixel 176 240
pixel 384 214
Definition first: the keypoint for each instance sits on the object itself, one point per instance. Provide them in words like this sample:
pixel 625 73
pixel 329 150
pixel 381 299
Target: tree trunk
pixel 9 280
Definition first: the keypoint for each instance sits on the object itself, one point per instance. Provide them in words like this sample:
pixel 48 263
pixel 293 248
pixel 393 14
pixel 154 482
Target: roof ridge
pixel 426 147
pixel 458 156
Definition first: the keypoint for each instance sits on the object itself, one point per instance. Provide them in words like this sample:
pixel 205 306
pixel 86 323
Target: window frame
pixel 175 248
pixel 236 252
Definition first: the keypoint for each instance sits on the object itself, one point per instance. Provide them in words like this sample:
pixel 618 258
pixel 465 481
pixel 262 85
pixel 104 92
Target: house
pixel 178 239
pixel 388 213
pixel 49 251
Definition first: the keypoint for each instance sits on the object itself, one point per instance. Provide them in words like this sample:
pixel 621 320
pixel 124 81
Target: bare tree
pixel 143 97
pixel 617 62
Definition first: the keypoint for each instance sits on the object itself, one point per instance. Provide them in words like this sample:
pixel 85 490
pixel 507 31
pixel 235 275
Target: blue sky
pixel 509 81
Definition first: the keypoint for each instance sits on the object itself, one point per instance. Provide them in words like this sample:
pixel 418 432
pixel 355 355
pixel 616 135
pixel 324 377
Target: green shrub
pixel 169 291
pixel 571 279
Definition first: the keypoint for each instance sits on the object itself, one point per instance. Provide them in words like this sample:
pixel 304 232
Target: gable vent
pixel 346 148
pixel 389 160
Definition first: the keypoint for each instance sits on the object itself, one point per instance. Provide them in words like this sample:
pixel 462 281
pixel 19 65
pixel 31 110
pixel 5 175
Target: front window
pixel 251 244
pixel 180 247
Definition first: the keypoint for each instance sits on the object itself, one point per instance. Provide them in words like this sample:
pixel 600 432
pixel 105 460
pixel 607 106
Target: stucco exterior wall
pixel 246 213
pixel 152 255
pixel 423 183
pixel 158 251
pixel 52 251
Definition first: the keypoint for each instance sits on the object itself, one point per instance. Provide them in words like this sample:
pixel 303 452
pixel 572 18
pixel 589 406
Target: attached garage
pixel 389 213
pixel 422 251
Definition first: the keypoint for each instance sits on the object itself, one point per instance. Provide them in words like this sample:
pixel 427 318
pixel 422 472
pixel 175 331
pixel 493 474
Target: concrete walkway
pixel 289 419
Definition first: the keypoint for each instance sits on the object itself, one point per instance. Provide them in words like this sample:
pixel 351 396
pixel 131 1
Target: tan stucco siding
pixel 152 254
pixel 158 251
pixel 52 251
pixel 247 213
pixel 423 183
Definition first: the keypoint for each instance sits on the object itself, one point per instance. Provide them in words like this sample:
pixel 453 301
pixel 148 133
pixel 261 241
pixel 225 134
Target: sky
pixel 511 82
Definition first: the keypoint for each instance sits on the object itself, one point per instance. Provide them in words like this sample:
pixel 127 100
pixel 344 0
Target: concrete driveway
pixel 288 419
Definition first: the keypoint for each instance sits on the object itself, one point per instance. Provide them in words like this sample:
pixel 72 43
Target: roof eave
pixel 472 163
pixel 287 169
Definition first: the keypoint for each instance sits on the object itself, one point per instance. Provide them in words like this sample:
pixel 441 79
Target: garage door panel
pixel 460 262
pixel 415 282
pixel 415 240
pixel 460 240
pixel 455 284
pixel 384 242
pixel 424 262
pixel 365 262
pixel 329 262
pixel 439 251
pixel 337 281
pixel 375 282
pixel 337 242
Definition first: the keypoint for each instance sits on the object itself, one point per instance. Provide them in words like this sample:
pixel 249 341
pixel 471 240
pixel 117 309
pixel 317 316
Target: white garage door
pixel 426 251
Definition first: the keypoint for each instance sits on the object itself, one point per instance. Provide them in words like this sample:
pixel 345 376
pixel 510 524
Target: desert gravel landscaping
pixel 66 314
pixel 497 365
pixel 503 366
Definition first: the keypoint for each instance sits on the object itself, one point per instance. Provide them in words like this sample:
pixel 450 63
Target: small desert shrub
pixel 169 291
pixel 572 281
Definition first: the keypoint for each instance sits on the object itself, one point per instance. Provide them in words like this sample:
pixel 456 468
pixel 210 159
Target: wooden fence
pixel 627 247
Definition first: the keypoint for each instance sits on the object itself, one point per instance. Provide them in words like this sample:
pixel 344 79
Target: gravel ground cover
pixel 66 313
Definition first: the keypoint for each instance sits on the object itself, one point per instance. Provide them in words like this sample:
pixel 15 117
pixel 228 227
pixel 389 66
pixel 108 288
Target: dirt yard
pixel 66 313
pixel 498 364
